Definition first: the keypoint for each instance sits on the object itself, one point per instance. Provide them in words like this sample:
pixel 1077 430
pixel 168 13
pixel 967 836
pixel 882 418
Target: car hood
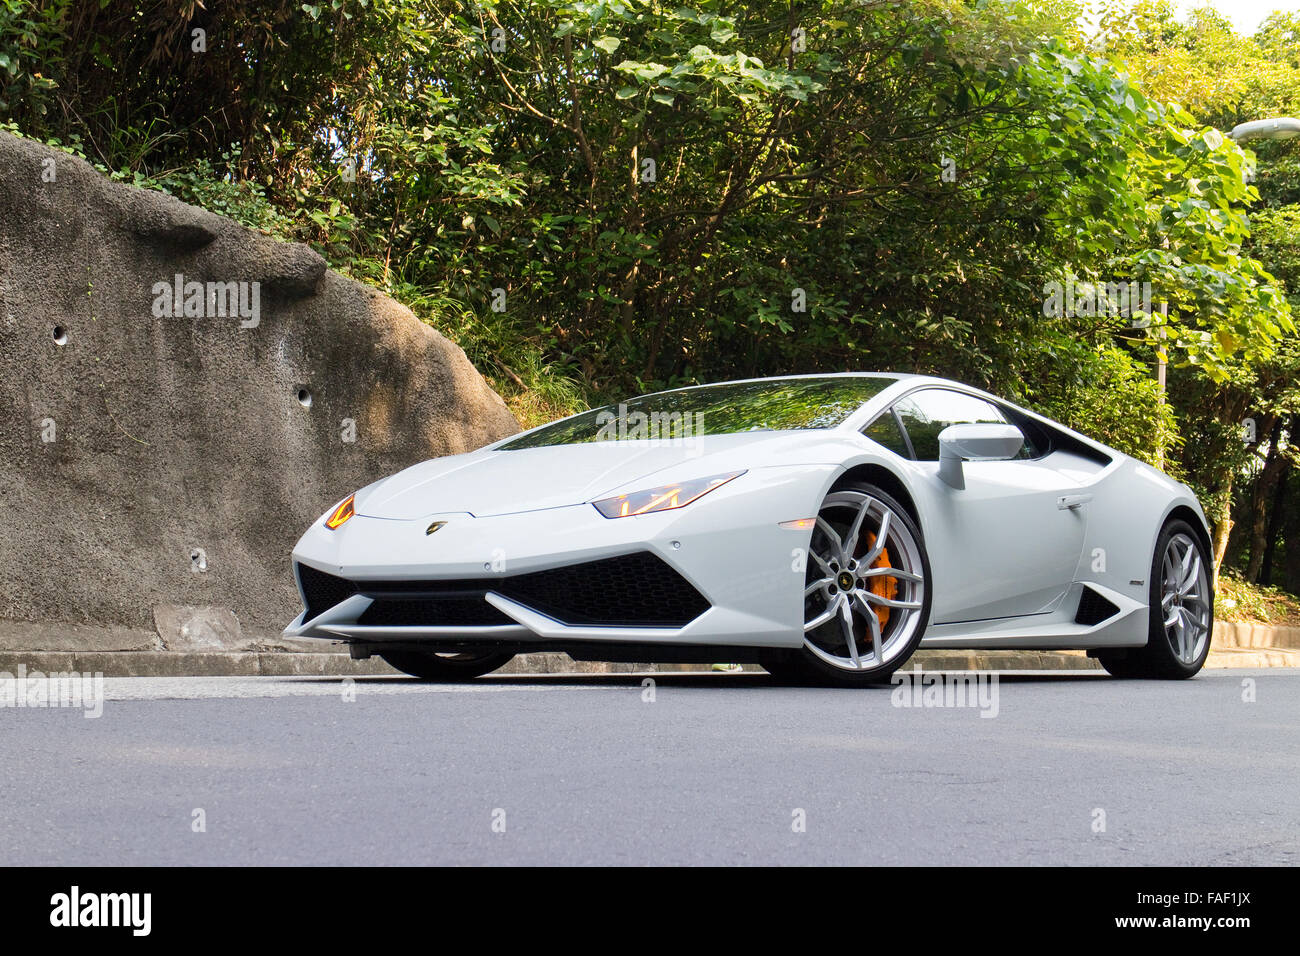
pixel 490 482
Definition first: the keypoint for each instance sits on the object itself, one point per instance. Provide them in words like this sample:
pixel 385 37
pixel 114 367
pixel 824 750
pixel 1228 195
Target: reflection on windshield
pixel 766 405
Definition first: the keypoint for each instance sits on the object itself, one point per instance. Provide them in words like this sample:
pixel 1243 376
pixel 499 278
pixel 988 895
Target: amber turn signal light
pixel 341 513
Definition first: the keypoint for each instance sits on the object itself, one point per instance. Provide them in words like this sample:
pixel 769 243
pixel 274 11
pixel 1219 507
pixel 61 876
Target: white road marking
pixel 214 688
pixel 233 688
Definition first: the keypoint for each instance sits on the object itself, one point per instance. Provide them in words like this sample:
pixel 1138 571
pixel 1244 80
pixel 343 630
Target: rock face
pixel 182 397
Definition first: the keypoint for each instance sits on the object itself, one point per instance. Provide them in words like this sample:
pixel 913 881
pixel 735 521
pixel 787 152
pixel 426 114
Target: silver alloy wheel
pixel 845 560
pixel 1184 598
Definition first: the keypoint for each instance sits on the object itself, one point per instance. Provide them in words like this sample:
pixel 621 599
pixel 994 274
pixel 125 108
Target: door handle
pixel 1072 502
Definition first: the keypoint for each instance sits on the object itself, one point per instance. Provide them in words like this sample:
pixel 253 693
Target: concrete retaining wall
pixel 160 453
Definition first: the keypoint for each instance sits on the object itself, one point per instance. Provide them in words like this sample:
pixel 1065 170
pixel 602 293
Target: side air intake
pixel 1093 608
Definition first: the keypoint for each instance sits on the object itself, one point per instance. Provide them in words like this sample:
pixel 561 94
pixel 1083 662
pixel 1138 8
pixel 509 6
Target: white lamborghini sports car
pixel 823 526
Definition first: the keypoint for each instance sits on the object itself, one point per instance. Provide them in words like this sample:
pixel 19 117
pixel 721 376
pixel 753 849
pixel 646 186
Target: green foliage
pixel 202 185
pixel 1106 393
pixel 536 391
pixel 1201 62
pixel 505 145
pixel 1239 600
pixel 29 41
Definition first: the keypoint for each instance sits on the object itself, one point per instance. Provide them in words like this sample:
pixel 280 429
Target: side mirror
pixel 958 443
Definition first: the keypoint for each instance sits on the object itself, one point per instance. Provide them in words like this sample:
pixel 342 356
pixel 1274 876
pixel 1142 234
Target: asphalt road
pixel 1075 768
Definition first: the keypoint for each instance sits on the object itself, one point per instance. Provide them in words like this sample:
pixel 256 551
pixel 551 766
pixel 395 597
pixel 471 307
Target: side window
pixel 928 412
pixel 1038 440
pixel 885 430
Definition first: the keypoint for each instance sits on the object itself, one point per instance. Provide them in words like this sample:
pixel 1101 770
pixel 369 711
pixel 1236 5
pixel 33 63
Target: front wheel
pixel 1182 611
pixel 866 597
pixel 428 665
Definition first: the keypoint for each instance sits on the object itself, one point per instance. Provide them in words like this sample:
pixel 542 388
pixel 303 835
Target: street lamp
pixel 1281 127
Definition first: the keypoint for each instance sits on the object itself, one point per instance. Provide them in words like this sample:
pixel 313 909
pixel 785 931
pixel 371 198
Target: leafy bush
pixel 1239 601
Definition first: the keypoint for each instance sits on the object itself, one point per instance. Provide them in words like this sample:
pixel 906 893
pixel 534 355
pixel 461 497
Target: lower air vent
pixel 432 611
pixel 321 591
pixel 1093 608
pixel 638 590
pixel 631 590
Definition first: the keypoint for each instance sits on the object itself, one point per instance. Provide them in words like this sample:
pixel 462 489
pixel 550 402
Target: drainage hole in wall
pixel 304 396
pixel 60 335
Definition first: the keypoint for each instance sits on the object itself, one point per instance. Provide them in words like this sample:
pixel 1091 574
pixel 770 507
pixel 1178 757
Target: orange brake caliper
pixel 882 586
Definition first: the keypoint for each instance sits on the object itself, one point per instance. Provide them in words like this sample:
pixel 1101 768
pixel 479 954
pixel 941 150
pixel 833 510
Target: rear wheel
pixel 429 665
pixel 866 595
pixel 1182 611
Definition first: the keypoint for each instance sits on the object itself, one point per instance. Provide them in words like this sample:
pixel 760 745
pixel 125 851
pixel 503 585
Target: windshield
pixel 766 405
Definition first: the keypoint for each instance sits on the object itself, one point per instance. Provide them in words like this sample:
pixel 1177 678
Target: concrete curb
pixel 180 664
pixel 335 664
pixel 133 655
pixel 1240 657
pixel 1256 636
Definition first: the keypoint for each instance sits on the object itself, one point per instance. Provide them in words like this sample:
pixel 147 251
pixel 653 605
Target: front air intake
pixel 631 590
pixel 321 591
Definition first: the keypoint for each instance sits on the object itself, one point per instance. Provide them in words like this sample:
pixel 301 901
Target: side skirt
pixel 1058 630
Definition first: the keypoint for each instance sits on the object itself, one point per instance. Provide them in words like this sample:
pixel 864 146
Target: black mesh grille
pixel 633 590
pixel 321 591
pixel 1093 608
pixel 637 589
pixel 433 611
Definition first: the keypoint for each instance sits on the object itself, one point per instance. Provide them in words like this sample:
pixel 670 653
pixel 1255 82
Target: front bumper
pixel 726 549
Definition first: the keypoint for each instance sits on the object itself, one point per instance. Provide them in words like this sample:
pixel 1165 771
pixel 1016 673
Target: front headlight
pixel 342 512
pixel 663 498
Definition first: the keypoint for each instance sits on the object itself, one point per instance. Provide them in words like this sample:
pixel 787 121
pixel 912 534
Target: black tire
pixel 803 666
pixel 1159 659
pixel 427 665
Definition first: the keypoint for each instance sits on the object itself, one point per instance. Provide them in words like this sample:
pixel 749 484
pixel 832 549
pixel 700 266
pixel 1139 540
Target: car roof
pixel 903 383
pixel 906 382
pixel 899 376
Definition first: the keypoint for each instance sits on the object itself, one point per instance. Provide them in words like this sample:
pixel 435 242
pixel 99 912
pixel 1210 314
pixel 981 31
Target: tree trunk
pixel 1274 524
pixel 1274 464
pixel 1291 537
pixel 1222 526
